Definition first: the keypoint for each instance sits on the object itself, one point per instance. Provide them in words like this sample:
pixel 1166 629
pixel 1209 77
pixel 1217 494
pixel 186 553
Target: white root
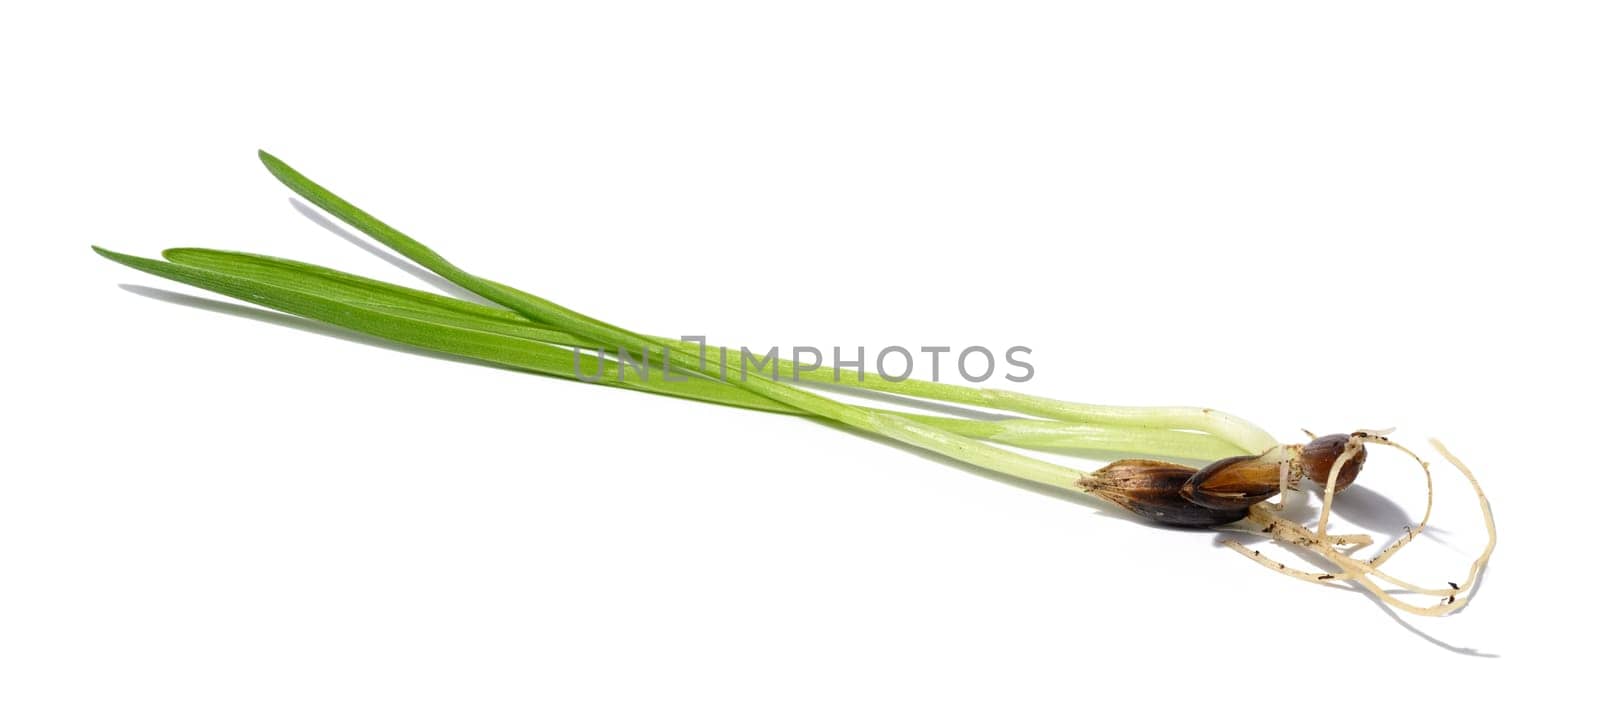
pixel 1283 482
pixel 1366 572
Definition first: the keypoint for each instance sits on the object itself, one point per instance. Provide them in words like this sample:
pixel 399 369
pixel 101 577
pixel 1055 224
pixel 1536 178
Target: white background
pixel 1314 215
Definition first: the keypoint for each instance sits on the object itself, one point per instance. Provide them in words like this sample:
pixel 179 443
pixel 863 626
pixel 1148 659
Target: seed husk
pixel 1233 482
pixel 1153 490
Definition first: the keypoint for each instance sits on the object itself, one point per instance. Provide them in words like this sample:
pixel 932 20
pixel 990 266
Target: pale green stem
pixel 1232 430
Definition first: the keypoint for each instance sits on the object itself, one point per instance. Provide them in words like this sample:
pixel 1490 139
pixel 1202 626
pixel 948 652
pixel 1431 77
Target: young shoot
pixel 1241 468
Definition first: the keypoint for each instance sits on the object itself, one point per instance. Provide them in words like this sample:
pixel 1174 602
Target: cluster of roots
pixel 1230 495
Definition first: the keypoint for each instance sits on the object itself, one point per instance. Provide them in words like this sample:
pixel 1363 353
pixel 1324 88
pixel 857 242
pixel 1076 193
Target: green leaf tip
pixel 134 261
pixel 277 167
pixel 108 254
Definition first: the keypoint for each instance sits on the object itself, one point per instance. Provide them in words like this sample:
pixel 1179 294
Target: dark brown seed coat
pixel 1318 456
